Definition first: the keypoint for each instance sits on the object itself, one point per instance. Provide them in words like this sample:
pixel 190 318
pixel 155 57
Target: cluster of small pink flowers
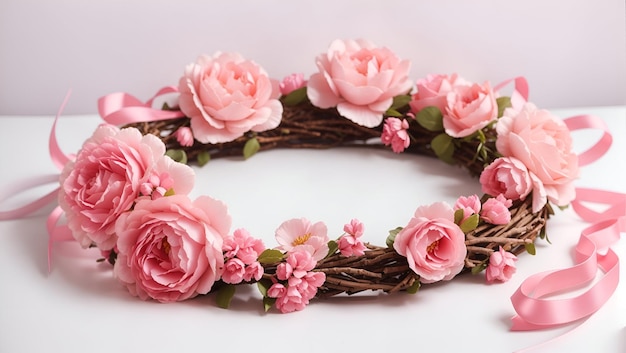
pixel 298 284
pixel 241 252
pixel 350 243
pixel 157 185
pixel 495 210
pixel 395 134
pixel 501 266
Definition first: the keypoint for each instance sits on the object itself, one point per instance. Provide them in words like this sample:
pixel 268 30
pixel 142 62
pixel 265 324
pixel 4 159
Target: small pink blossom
pixel 507 176
pixel 433 90
pixel 291 300
pixel 276 290
pixel 470 205
pixel 469 109
pixel 253 271
pixel 234 271
pixel 184 136
pixel 542 142
pixel 297 265
pixel 359 79
pixel 395 134
pixel 243 246
pixel 299 233
pixel 350 243
pixel 291 83
pixel 226 96
pixel 501 266
pixel 432 243
pixel 496 210
pixel 302 283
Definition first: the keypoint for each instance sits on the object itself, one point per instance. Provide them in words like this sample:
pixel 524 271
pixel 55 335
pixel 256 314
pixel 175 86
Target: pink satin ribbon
pixel 520 91
pixel 122 108
pixel 535 310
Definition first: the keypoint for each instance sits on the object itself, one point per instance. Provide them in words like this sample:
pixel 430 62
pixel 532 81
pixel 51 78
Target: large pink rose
pixel 433 91
pixel 170 249
pixel 359 79
pixel 469 109
pixel 507 176
pixel 226 96
pixel 106 178
pixel 542 142
pixel 432 243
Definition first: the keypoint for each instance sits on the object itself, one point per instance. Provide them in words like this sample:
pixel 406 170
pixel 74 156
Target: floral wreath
pixel 126 190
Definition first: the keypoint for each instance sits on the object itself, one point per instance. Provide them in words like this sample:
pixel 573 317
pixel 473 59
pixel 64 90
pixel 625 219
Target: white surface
pixel 80 308
pixel 573 52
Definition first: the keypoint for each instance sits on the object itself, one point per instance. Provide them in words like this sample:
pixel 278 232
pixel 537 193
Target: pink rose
pixel 106 178
pixel 507 176
pixel 359 79
pixel 470 205
pixel 170 249
pixel 496 210
pixel 300 234
pixel 501 266
pixel 226 96
pixel 432 243
pixel 395 134
pixel 469 109
pixel 542 142
pixel 291 83
pixel 433 91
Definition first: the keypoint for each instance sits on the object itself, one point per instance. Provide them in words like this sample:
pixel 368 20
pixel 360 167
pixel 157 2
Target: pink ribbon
pixel 520 91
pixel 122 108
pixel 535 310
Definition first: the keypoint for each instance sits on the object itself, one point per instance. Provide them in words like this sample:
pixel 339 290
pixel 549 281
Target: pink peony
pixel 433 244
pixel 170 249
pixel 507 176
pixel 359 79
pixel 395 134
pixel 184 136
pixel 226 95
pixel 107 177
pixel 542 142
pixel 291 83
pixel 501 266
pixel 433 91
pixel 296 234
pixel 234 270
pixel 470 205
pixel 496 210
pixel 469 109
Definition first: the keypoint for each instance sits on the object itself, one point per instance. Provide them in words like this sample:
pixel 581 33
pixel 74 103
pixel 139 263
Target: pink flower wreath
pixel 126 192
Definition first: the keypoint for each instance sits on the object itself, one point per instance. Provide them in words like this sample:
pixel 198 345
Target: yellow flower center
pixel 301 239
pixel 166 246
pixel 432 247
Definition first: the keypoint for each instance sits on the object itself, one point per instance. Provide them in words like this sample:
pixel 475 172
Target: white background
pixel 573 52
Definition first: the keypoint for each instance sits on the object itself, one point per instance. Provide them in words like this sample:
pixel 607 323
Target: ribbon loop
pixel 122 108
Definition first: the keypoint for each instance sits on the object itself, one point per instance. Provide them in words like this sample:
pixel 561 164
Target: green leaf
pixel 563 208
pixel 295 97
pixel 264 285
pixel 414 287
pixel 443 146
pixel 332 247
pixel 479 268
pixel 392 236
pixel 469 224
pixel 458 216
pixel 203 158
pixel 430 118
pixel 503 103
pixel 271 256
pixel 530 248
pixel 179 156
pixel 543 234
pixel 394 113
pixel 251 147
pixel 225 295
pixel 400 101
pixel 268 303
pixel 169 192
